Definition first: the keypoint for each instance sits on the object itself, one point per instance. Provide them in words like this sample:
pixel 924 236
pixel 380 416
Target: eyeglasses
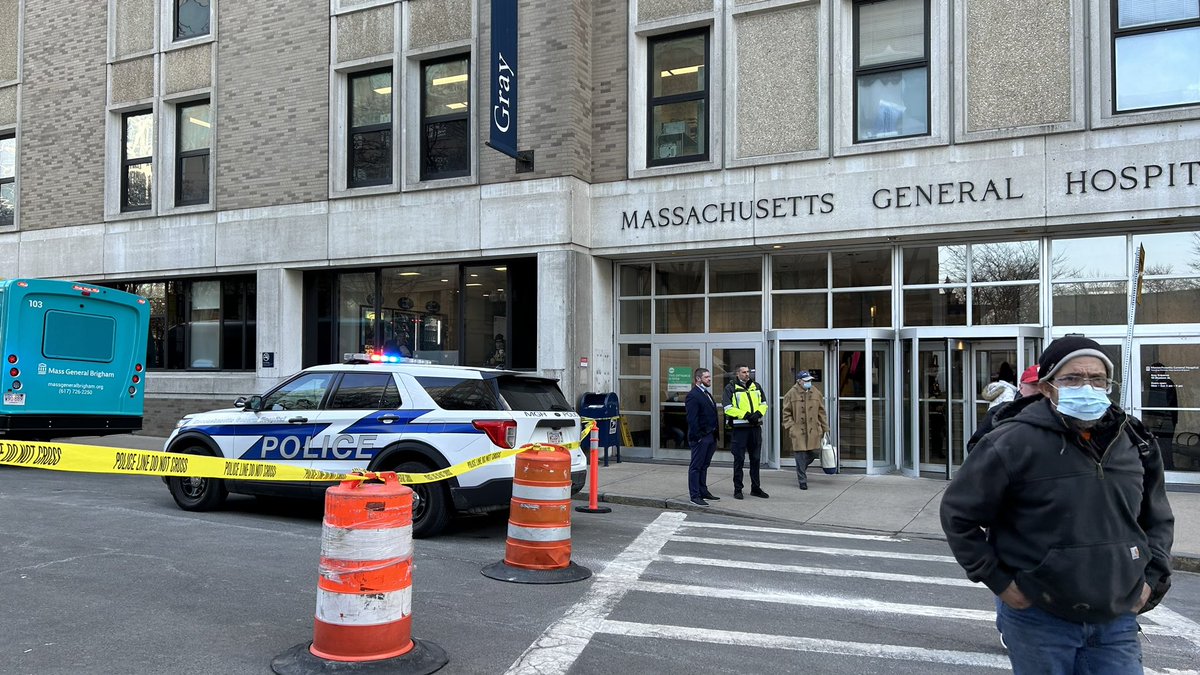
pixel 1078 381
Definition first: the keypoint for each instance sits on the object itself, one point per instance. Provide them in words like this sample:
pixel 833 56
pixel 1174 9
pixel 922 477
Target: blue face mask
pixel 806 385
pixel 1083 402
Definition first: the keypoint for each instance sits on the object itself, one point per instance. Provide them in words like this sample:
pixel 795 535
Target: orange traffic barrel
pixel 538 547
pixel 364 585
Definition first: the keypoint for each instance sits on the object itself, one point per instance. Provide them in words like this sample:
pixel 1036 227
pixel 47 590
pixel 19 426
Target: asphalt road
pixel 103 574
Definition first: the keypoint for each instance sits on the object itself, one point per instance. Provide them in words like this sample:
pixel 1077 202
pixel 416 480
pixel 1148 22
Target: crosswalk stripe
pixel 803 644
pixel 821 571
pixel 813 600
pixel 861 553
pixel 559 646
pixel 1172 623
pixel 799 533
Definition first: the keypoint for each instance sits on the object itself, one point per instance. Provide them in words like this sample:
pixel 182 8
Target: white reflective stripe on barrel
pixel 539 533
pixel 541 494
pixel 340 543
pixel 348 609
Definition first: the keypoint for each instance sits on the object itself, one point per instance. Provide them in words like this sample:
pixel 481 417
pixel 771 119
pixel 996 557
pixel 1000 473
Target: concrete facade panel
pixel 270 236
pixel 433 22
pixel 133 80
pixel 63 97
pixel 610 91
pixel 273 91
pixel 62 252
pixel 534 214
pixel 368 33
pixel 10 28
pixel 399 227
pixel 135 247
pixel 777 82
pixel 134 29
pixel 1018 65
pixel 8 105
pixel 10 258
pixel 188 69
pixel 651 10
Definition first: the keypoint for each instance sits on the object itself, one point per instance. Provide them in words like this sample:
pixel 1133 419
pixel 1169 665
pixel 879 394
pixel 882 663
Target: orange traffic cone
pixel 538 548
pixel 364 589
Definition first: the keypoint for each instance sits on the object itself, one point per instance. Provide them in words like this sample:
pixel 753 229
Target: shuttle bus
pixel 74 359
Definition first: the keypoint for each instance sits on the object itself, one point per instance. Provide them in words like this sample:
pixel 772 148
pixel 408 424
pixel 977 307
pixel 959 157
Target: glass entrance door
pixel 673 367
pixel 991 361
pixel 940 405
pixel 862 424
pixel 1166 395
pixel 793 358
pixel 723 364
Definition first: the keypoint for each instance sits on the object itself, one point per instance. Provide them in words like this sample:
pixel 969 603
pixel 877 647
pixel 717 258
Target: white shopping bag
pixel 829 457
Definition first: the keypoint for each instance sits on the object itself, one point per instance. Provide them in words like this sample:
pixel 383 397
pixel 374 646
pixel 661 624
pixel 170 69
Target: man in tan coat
pixel 805 421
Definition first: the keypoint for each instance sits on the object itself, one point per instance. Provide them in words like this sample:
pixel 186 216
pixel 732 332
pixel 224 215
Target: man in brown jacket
pixel 805 421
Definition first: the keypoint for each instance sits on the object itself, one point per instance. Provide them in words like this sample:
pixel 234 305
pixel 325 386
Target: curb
pixel 1180 562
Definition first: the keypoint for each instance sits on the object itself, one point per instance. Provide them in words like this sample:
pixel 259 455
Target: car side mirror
pixel 240 402
pixel 254 403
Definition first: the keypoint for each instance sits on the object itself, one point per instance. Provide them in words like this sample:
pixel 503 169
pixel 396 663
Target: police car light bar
pixel 359 357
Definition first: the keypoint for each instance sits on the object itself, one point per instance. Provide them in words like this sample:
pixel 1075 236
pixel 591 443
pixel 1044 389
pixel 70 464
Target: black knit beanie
pixel 1066 348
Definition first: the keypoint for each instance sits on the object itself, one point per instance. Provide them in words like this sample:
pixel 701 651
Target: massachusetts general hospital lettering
pixel 909 200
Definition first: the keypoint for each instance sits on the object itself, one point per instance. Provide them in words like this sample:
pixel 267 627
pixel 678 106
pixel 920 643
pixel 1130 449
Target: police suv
pixel 406 416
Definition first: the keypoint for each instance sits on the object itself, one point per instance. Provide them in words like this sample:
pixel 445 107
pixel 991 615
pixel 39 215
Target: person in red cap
pixel 1062 512
pixel 1028 387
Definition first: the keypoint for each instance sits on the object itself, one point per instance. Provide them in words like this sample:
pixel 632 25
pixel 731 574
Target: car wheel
pixel 431 507
pixel 193 493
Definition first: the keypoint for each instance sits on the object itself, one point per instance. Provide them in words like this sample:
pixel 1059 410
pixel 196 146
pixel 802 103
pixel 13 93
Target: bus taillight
pixel 16 384
pixel 136 379
pixel 13 372
pixel 138 367
pixel 132 390
pixel 12 358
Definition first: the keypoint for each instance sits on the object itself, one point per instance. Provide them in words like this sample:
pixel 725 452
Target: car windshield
pixel 532 393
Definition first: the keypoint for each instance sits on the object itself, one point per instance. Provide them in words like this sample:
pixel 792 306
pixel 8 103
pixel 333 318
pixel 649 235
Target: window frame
pixel 175 36
pixel 704 95
pixel 1116 32
pixel 127 162
pixel 452 117
pixel 181 155
pixel 858 71
pixel 352 130
pixel 7 135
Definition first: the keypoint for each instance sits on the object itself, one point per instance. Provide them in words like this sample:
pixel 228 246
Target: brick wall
pixel 62 113
pixel 272 100
pixel 554 100
pixel 161 414
pixel 610 91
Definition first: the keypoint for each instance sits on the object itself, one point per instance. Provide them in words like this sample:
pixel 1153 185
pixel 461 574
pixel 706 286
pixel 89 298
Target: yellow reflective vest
pixel 740 401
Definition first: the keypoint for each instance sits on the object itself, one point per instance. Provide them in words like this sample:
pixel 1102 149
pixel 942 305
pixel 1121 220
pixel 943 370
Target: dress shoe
pixel 803 487
pixel 737 494
pixel 759 493
pixel 699 502
pixel 710 496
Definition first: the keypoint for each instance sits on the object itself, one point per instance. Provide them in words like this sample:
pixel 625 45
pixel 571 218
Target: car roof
pixel 419 370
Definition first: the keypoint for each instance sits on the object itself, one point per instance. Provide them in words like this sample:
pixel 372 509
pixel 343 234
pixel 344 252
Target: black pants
pixel 702 454
pixel 746 439
pixel 803 459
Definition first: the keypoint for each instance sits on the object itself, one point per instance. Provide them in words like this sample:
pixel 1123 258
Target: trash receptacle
pixel 606 410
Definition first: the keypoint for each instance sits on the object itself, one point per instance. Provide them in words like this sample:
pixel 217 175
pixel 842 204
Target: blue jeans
pixel 1043 644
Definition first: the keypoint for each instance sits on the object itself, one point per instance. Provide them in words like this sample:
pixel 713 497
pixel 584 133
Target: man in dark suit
pixel 702 435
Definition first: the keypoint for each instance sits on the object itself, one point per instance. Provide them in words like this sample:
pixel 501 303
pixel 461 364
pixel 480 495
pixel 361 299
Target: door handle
pixel 389 418
pixel 297 420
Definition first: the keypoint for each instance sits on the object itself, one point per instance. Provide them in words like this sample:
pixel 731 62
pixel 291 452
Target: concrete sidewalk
pixel 893 504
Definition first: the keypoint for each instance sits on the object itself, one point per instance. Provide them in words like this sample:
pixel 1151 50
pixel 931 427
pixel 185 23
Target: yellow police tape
pixel 100 459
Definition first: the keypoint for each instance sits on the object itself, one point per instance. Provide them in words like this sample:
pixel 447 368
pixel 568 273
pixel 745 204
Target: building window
pixel 891 69
pixel 200 324
pixel 8 179
pixel 192 18
pixel 369 160
pixel 678 101
pixel 137 160
pixel 445 118
pixel 193 143
pixel 1156 53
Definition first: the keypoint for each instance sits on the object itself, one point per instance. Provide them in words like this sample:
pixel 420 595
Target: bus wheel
pixel 431 507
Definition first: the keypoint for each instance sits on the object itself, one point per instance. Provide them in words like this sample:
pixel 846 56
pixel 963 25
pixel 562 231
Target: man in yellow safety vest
pixel 745 406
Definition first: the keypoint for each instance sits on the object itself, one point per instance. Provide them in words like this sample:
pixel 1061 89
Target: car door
pixel 360 418
pixel 282 430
